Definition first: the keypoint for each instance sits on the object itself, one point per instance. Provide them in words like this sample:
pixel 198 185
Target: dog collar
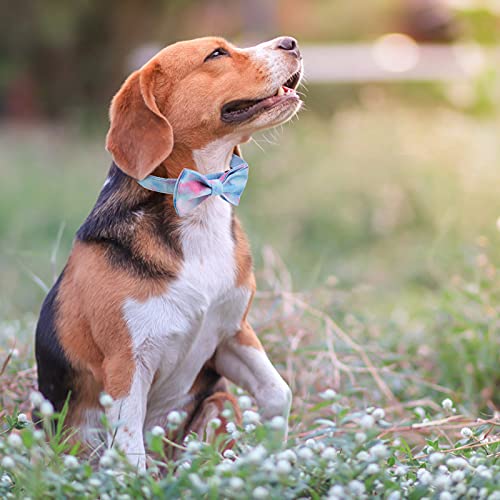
pixel 192 188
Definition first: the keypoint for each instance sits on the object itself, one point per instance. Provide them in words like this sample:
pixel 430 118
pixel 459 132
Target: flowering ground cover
pixel 379 305
pixel 370 417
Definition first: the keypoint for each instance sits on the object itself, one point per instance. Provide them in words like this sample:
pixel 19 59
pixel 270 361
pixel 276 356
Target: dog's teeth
pixel 280 91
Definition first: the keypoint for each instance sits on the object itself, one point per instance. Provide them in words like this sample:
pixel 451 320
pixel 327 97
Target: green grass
pixel 375 236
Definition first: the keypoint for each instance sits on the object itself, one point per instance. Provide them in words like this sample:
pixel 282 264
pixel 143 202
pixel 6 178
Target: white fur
pixel 279 68
pixel 251 369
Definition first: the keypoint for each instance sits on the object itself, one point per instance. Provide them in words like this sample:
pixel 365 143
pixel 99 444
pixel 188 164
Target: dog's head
pixel 195 92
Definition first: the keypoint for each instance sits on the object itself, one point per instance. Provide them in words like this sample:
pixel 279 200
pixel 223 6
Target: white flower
pixel 236 483
pixel 158 431
pixel 466 433
pixel 424 476
pixel 436 458
pixel 394 495
pixel 245 402
pixel 174 418
pixel 472 492
pixel 277 423
pixel 15 441
pixel 215 423
pixel 96 483
pixel 363 456
pixel 38 434
pixel 378 414
pixel 251 417
pixel 379 451
pixel 288 455
pixel 337 491
pixel 367 421
pixel 357 487
pixel 112 453
pixel 230 427
pixel 283 467
pixel 305 453
pixel 36 399
pixel 8 463
pixel 22 419
pixel 256 455
pixel 268 465
pixel 372 469
pixel 224 466
pixel 329 453
pixel 445 495
pixel 457 476
pixel 5 480
pixel 260 492
pixel 185 465
pixel 447 404
pixel 46 409
pixel 484 473
pixel 227 413
pixel 401 470
pixel 195 446
pixel 457 463
pixel 442 482
pixel 229 454
pixel 310 443
pixel 249 428
pixel 106 400
pixel 106 461
pixel 360 437
pixel 328 394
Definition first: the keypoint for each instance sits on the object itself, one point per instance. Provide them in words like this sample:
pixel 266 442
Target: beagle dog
pixel 151 307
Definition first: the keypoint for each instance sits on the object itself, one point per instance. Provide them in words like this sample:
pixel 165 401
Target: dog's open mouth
pixel 244 109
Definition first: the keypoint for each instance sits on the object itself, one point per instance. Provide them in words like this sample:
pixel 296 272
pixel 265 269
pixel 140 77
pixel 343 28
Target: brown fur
pixel 90 324
pixel 170 93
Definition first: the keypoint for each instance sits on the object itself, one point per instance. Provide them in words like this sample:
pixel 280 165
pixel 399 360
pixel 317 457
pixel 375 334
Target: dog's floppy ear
pixel 140 137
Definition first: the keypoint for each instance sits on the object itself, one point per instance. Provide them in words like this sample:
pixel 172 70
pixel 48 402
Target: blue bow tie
pixel 192 188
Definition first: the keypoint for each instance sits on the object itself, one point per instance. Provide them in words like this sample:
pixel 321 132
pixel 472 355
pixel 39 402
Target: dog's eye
pixel 217 53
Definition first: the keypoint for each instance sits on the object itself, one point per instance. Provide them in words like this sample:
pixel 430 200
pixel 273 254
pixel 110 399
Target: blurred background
pixel 389 178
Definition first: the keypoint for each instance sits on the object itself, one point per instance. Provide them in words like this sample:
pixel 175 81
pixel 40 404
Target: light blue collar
pixel 192 188
pixel 167 186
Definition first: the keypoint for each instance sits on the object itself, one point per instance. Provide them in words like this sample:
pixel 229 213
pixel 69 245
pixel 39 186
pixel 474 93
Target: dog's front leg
pixel 126 417
pixel 242 360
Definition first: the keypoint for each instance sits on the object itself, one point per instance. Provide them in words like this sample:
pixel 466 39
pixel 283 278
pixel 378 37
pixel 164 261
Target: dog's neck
pixel 213 157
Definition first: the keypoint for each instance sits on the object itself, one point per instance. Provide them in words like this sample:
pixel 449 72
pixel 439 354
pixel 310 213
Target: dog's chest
pixel 176 332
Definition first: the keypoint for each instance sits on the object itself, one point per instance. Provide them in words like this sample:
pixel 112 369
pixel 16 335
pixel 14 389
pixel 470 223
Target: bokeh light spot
pixel 396 52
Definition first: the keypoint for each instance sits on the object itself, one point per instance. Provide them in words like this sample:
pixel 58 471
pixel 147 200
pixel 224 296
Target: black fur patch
pixel 121 205
pixel 55 374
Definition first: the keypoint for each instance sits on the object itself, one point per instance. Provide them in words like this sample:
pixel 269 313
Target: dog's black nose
pixel 289 44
